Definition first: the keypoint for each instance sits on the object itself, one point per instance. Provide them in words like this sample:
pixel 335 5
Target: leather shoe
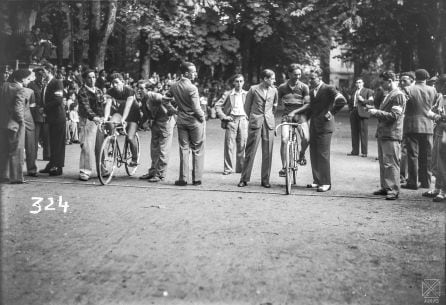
pixel 431 193
pixel 266 185
pixel 324 188
pixel 364 155
pixel 180 182
pixel 391 196
pixel 56 171
pixel 46 170
pixel 382 192
pixel 198 182
pixel 312 186
pixel 409 186
pixel 242 184
pixel 146 176
pixel 32 174
pixel 352 154
pixel 226 173
pixel 18 182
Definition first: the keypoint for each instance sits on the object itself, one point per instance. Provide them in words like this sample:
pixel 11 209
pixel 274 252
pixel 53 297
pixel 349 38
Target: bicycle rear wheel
pixel 289 167
pixel 128 156
pixel 107 160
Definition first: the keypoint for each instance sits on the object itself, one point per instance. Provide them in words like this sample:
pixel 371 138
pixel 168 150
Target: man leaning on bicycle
pixel 295 96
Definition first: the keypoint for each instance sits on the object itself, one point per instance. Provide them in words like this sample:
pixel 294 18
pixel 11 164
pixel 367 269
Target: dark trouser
pixel 31 151
pixel 57 147
pixel 11 154
pixel 389 165
pixel 42 135
pixel 419 158
pixel 254 136
pixel 320 157
pixel 360 132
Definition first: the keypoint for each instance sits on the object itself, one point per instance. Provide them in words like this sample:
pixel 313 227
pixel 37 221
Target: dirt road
pixel 139 243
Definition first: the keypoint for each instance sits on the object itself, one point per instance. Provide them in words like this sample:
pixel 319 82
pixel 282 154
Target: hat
pixel 38 69
pixel 48 66
pixel 21 74
pixel 421 74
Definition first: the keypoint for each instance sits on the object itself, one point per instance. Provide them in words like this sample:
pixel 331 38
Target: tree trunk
pixel 100 31
pixel 144 53
pixel 440 37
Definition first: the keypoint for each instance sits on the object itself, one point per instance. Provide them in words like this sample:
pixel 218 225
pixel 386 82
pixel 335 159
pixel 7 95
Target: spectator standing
pixel 260 105
pixel 418 131
pixel 190 124
pixel 230 109
pixel 55 115
pixel 389 134
pixel 359 117
pixel 12 127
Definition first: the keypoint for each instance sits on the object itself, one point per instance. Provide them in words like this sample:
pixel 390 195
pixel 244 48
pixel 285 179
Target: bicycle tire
pixel 106 164
pixel 128 156
pixel 288 167
pixel 295 163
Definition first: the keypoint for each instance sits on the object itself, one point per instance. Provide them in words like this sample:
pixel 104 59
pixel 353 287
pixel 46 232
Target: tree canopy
pixel 223 37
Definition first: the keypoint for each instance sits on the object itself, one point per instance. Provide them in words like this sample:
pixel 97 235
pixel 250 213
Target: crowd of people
pixel 51 107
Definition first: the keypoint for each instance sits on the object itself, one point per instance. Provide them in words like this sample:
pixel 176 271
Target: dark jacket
pixel 327 99
pixel 53 100
pixel 420 100
pixel 36 111
pixel 90 103
pixel 28 117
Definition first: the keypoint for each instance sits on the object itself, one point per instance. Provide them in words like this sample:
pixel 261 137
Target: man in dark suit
pixel 260 105
pixel 231 110
pixel 418 131
pixel 325 102
pixel 37 111
pixel 359 117
pixel 55 116
pixel 12 126
pixel 190 124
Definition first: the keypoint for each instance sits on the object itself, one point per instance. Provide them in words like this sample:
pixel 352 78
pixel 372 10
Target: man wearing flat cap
pixel 13 103
pixel 418 131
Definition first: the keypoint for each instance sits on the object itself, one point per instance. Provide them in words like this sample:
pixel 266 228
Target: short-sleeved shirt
pixel 120 98
pixel 293 98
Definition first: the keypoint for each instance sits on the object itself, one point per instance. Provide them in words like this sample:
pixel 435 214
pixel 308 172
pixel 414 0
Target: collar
pixel 318 86
pixel 18 84
pixel 92 90
pixel 233 92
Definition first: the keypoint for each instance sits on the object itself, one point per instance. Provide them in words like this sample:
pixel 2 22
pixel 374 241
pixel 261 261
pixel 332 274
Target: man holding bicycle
pixel 91 111
pixel 294 95
pixel 121 103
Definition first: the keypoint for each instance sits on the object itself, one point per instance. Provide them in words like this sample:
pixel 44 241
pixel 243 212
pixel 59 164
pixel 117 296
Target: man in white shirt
pixel 230 109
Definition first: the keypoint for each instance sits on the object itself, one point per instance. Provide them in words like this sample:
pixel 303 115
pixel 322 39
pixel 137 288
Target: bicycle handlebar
pixel 288 124
pixel 119 126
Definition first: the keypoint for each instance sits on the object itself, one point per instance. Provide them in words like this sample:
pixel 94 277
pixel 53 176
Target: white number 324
pixel 49 206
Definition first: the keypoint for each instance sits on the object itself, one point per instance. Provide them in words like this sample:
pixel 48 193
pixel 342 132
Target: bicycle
pixel 292 155
pixel 111 155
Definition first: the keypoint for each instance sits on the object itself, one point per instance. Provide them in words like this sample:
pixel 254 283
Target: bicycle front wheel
pixel 289 167
pixel 129 156
pixel 107 160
